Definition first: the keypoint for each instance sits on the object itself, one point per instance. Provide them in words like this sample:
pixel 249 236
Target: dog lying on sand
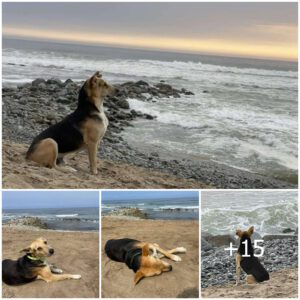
pixel 33 266
pixel 84 128
pixel 142 257
pixel 251 265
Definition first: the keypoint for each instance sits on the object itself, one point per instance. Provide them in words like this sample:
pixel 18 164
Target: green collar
pixel 35 258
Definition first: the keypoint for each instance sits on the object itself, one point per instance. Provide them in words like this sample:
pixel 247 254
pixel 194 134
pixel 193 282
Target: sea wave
pixel 266 219
pixel 177 70
pixel 66 216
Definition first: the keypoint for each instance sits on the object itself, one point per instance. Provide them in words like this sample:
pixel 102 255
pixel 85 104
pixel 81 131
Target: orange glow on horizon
pixel 284 51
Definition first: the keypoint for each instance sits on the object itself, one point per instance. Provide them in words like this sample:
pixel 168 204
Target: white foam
pixel 66 216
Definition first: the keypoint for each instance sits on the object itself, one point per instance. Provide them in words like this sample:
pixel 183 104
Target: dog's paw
pixel 68 169
pixel 176 258
pixel 76 276
pixel 71 169
pixel 181 249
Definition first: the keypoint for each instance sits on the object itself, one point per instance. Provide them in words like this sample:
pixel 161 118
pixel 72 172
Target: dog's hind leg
pixel 166 253
pixel 45 153
pixel 238 268
pixel 250 279
pixel 173 251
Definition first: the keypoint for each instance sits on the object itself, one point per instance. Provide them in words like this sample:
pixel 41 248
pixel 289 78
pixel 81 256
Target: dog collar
pixel 133 257
pixel 35 258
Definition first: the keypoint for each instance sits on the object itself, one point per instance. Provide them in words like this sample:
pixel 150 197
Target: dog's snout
pixel 51 250
pixel 170 268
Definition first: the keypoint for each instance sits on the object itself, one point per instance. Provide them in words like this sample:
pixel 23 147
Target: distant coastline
pixel 64 219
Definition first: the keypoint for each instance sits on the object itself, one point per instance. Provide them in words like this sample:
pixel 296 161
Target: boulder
pixel 123 103
pixel 38 81
pixel 220 240
pixel 55 81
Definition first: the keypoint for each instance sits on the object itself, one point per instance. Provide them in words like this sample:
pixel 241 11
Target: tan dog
pixel 83 129
pixel 33 266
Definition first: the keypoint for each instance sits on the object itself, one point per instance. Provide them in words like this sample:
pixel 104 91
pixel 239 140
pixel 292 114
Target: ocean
pixel 243 114
pixel 222 212
pixel 74 219
pixel 158 209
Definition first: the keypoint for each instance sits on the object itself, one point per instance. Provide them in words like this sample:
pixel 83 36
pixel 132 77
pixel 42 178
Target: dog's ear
pixel 251 230
pixel 238 232
pixel 97 74
pixel 26 250
pixel 145 250
pixel 138 276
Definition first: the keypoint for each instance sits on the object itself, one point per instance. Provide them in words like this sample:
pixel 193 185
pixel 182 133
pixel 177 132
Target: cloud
pixel 208 46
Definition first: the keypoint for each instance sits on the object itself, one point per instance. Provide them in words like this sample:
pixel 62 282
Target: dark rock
pixel 148 117
pixel 68 81
pixel 288 230
pixel 220 240
pixel 123 104
pixel 141 82
pixel 55 81
pixel 63 100
pixel 38 81
pixel 205 246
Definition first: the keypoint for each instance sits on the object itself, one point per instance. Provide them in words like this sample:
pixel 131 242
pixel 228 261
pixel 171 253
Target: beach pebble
pixel 218 267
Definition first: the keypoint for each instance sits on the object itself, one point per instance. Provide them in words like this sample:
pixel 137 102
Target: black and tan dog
pixel 251 265
pixel 84 128
pixel 33 266
pixel 143 258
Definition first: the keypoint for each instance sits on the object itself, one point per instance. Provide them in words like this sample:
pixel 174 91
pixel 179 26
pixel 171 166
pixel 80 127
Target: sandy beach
pixel 182 282
pixel 282 284
pixel 19 173
pixel 75 252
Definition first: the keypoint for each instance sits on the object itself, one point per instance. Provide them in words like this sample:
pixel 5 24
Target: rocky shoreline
pixel 218 267
pixel 27 222
pixel 30 108
pixel 126 212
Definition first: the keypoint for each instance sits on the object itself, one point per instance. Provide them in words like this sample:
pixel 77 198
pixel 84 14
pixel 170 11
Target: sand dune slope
pixel 183 281
pixel 18 173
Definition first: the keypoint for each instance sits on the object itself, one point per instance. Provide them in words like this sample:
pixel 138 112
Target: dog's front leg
pixel 238 268
pixel 50 277
pixel 92 151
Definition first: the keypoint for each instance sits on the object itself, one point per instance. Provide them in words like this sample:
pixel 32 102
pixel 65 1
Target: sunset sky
pixel 258 30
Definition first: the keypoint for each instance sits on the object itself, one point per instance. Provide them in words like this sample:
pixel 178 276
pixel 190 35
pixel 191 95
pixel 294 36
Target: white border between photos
pixel 100 190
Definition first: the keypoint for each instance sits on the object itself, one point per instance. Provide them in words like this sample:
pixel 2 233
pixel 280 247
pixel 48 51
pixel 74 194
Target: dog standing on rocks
pixel 84 128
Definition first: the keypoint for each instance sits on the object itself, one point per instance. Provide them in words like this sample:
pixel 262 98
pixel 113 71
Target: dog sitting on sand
pixel 142 257
pixel 33 266
pixel 84 128
pixel 250 264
